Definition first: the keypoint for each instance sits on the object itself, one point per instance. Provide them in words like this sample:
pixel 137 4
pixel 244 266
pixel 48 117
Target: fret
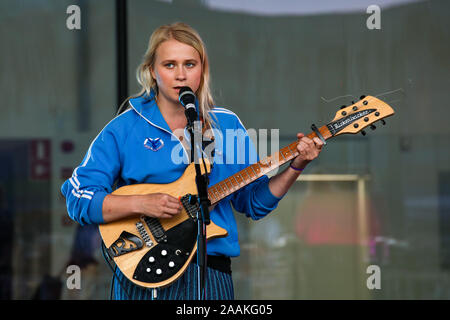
pixel 282 155
pixel 214 196
pixel 249 176
pixel 237 183
pixel 293 153
pixel 211 195
pixel 259 167
pixel 220 185
pixel 251 167
pixel 237 177
pixel 243 180
pixel 256 168
pixel 286 154
pixel 276 156
pixel 226 183
pixel 267 163
pixel 217 193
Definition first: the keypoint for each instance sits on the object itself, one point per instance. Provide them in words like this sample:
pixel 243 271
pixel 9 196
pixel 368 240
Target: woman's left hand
pixel 308 150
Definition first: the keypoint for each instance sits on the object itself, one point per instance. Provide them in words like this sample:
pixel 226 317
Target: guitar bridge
pixel 141 229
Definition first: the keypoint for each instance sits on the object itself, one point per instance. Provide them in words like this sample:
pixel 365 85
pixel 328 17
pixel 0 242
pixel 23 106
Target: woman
pixel 138 147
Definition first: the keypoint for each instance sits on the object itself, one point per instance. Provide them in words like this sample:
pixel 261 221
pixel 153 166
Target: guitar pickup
pixel 156 229
pixel 119 247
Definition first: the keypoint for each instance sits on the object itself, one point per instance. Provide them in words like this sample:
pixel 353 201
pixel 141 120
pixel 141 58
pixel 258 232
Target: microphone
pixel 187 100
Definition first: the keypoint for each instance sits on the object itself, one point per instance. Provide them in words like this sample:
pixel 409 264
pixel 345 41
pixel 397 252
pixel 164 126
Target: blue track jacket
pixel 138 146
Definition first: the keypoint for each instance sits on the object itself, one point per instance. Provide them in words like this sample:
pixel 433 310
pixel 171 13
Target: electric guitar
pixel 153 252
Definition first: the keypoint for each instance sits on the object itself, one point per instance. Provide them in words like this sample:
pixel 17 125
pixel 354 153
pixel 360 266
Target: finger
pixel 318 142
pixel 308 141
pixel 171 211
pixel 302 148
pixel 302 145
pixel 172 198
pixel 171 202
pixel 300 135
pixel 174 205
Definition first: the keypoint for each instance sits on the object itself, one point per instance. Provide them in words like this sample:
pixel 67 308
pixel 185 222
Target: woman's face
pixel 176 65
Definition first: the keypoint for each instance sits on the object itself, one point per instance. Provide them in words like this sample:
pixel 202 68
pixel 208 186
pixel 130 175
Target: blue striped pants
pixel 219 286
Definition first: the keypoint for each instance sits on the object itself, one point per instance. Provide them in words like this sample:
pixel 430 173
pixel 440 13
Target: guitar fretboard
pixel 251 173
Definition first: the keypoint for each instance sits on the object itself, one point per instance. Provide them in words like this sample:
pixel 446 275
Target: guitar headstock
pixel 357 116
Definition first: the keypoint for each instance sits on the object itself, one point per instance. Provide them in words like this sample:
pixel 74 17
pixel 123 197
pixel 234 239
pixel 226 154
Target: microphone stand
pixel 203 219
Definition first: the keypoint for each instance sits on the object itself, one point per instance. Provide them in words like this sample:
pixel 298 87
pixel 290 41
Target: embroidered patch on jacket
pixel 153 144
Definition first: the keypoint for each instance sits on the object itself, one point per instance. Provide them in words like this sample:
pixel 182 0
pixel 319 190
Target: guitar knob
pixel 171 264
pixel 372 127
pixel 158 271
pixel 363 133
pixel 151 259
pixel 148 270
pixel 164 253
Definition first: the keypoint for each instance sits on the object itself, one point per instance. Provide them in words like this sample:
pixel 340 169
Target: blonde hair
pixel 185 34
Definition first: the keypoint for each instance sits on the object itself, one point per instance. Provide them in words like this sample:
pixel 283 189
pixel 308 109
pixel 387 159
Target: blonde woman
pixel 138 146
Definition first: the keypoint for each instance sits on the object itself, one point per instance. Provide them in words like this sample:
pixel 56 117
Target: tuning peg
pixel 372 126
pixel 363 133
pixel 342 107
pixel 383 122
pixel 362 97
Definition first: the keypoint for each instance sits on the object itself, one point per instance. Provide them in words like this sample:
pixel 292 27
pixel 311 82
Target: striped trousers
pixel 219 286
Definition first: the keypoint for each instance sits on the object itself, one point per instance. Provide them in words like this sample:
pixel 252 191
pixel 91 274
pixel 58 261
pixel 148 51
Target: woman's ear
pixel 152 72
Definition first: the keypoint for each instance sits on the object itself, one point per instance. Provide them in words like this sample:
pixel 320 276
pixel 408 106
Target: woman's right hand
pixel 158 205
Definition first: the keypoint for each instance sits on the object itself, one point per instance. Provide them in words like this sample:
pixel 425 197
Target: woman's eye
pixel 190 65
pixel 169 65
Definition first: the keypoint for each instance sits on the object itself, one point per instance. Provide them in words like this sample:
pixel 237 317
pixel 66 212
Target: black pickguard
pixel 181 240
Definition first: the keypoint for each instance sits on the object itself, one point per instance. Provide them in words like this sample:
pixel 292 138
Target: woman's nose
pixel 181 73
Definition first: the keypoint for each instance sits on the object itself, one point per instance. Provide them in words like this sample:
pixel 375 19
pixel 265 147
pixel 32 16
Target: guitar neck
pixel 251 173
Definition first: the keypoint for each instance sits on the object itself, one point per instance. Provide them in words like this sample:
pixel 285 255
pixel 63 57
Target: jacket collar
pixel 145 105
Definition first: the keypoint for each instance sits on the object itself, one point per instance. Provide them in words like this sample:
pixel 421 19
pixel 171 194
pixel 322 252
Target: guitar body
pixel 154 252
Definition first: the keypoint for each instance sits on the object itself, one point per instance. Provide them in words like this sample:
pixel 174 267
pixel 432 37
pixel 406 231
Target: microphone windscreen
pixel 186 96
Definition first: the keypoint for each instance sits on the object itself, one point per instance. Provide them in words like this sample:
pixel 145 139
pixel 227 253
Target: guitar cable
pixel 113 269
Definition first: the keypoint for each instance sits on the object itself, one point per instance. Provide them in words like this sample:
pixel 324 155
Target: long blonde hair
pixel 187 35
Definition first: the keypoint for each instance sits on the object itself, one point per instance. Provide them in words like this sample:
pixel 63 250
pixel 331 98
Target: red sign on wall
pixel 40 159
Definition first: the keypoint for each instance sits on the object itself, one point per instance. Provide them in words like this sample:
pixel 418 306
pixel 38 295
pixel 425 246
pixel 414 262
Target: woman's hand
pixel 158 205
pixel 308 150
